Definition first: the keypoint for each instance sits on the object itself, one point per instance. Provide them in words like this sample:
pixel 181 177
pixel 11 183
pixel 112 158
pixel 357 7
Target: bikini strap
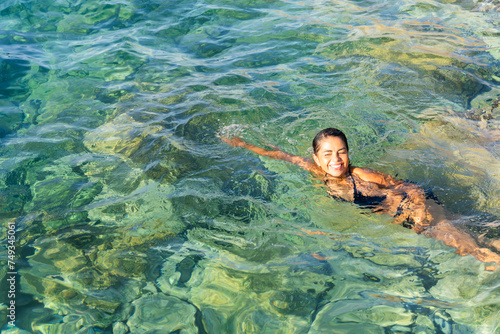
pixel 356 194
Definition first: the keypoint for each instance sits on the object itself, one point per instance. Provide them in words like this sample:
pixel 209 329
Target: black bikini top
pixel 356 190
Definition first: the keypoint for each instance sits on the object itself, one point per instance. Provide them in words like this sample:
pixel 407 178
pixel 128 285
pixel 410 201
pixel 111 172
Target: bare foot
pixel 486 255
pixel 495 244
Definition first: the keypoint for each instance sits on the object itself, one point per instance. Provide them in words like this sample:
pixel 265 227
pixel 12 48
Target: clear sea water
pixel 131 215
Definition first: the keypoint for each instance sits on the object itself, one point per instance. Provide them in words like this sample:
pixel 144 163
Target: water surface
pixel 133 216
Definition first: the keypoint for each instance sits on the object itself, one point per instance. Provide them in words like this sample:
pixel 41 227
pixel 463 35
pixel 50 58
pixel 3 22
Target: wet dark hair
pixel 327 133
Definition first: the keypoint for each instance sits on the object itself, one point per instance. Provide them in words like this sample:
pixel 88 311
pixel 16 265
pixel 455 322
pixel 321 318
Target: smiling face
pixel 333 156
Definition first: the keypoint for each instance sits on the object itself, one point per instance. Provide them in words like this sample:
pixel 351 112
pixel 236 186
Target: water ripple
pixel 128 202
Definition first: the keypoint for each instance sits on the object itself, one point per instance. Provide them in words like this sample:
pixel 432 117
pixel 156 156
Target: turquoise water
pixel 131 215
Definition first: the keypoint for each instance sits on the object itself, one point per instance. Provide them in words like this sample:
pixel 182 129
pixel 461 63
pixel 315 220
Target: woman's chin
pixel 336 173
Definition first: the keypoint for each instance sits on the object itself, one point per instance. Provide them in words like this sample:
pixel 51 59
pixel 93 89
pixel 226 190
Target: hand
pixel 417 217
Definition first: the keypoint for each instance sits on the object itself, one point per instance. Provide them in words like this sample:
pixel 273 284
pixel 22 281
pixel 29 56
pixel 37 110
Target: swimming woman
pixel 377 191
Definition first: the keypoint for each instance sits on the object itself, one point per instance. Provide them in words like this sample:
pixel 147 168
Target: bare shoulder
pixel 371 175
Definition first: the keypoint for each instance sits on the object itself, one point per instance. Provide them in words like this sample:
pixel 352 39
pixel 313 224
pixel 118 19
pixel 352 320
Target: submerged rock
pixel 94 309
pixel 293 302
pixel 360 316
pixel 15 331
pixel 116 175
pixel 83 271
pixel 123 135
pixel 141 220
pixel 159 313
pixel 120 328
pixel 380 314
pixel 256 320
pixel 435 61
pixel 244 301
pixel 14 199
pixel 122 263
pixel 152 149
pixel 461 158
pixel 487 6
pixel 11 117
pixel 72 326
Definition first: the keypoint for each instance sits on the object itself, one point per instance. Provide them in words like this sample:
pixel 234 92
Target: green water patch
pixel 457 151
pixel 204 32
pixel 79 18
pixel 52 189
pixel 131 211
pixel 89 269
pixel 226 289
pixel 11 118
pixel 149 315
pixel 433 69
pixel 221 297
pixel 10 71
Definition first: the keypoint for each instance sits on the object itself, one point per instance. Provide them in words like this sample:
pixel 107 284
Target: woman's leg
pixel 444 230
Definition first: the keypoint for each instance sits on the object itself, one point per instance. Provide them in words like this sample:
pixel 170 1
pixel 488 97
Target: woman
pixel 378 191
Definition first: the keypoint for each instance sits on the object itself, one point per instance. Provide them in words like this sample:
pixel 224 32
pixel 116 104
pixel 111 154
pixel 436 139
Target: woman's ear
pixel 316 160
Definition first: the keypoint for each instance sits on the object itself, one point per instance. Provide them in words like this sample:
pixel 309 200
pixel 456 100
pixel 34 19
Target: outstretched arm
pixel 276 154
